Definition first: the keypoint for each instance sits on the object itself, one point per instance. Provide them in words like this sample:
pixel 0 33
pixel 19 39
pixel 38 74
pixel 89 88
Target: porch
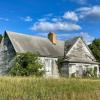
pixel 80 70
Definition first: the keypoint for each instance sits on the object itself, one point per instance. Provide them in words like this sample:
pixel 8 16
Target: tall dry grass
pixel 32 88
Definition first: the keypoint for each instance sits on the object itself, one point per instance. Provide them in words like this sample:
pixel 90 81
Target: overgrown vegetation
pixel 26 64
pixel 90 72
pixel 28 88
pixel 95 48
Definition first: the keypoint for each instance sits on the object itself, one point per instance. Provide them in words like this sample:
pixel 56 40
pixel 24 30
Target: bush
pixel 91 72
pixel 26 64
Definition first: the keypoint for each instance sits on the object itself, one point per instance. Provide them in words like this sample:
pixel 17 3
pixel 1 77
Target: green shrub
pixel 91 72
pixel 26 64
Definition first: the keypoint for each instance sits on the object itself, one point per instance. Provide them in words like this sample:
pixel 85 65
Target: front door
pixel 48 67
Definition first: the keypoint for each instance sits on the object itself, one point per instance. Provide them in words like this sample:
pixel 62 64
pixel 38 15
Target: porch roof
pixel 82 61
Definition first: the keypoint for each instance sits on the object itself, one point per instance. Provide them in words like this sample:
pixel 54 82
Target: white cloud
pixel 64 36
pixel 81 2
pixel 42 19
pixel 90 13
pixel 54 26
pixel 27 19
pixel 56 19
pixel 83 9
pixel 4 19
pixel 49 18
pixel 71 15
pixel 86 36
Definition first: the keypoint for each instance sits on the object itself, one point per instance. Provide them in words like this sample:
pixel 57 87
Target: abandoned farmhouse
pixel 75 52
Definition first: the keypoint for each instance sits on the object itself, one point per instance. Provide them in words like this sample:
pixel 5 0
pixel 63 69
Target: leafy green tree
pixel 26 64
pixel 0 38
pixel 95 48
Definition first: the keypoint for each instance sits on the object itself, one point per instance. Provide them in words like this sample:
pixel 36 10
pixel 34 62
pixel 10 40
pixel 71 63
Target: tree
pixel 26 64
pixel 95 48
pixel 0 38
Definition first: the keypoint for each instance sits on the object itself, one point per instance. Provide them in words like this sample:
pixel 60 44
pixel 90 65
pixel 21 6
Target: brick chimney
pixel 52 37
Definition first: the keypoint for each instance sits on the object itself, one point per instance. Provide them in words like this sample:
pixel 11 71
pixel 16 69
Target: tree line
pixel 95 48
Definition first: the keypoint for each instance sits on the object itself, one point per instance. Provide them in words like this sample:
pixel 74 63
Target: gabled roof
pixel 69 43
pixel 26 43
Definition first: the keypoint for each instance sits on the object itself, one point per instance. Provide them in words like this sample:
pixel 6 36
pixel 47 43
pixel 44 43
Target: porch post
pixel 98 71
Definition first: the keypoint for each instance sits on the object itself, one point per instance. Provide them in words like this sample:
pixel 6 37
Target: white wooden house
pixel 77 56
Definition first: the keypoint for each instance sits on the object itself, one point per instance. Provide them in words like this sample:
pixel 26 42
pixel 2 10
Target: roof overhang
pixel 84 62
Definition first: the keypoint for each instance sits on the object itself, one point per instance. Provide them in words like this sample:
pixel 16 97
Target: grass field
pixel 28 88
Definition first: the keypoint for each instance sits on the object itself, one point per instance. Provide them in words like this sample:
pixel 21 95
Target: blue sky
pixel 67 18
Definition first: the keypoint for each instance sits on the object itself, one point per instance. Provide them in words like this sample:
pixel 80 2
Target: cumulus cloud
pixel 54 26
pixel 71 15
pixel 27 19
pixel 90 13
pixel 87 37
